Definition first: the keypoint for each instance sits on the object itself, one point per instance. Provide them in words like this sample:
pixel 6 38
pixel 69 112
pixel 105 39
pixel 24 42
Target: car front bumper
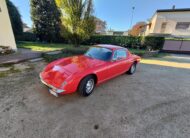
pixel 54 91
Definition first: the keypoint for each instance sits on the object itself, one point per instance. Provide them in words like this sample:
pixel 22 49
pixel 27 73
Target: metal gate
pixel 177 46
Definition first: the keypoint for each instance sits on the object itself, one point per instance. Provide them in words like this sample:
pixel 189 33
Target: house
pixel 100 26
pixel 26 28
pixel 117 33
pixel 170 22
pixel 6 32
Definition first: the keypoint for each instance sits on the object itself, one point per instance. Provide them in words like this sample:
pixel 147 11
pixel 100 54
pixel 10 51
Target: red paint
pixel 73 69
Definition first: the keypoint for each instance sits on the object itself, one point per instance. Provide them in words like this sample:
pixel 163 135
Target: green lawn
pixel 45 47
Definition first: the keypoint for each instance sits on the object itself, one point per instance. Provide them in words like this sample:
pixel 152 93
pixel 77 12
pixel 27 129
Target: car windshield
pixel 100 53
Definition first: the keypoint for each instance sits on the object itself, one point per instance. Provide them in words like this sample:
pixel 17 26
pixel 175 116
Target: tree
pixel 138 29
pixel 15 18
pixel 46 20
pixel 77 20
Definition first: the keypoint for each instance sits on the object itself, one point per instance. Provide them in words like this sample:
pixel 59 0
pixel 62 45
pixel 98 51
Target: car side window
pixel 120 54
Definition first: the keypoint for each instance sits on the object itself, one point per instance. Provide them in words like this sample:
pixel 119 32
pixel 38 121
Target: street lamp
pixel 133 9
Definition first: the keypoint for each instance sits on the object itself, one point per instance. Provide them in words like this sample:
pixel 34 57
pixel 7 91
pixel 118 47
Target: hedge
pixel 27 36
pixel 125 41
pixel 65 53
pixel 153 43
pixel 149 42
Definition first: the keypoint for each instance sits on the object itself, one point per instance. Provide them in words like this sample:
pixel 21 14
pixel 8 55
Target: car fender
pixel 73 84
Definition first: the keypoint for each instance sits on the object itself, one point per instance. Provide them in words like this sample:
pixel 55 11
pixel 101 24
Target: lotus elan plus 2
pixel 82 73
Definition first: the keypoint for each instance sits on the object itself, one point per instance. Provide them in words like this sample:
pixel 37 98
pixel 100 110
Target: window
pixel 120 54
pixel 182 25
pixel 163 27
pixel 100 53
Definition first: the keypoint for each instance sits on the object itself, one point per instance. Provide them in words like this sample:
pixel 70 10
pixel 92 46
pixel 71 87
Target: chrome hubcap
pixel 89 86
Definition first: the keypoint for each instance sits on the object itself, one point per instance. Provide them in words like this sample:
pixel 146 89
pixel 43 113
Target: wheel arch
pixel 135 62
pixel 92 74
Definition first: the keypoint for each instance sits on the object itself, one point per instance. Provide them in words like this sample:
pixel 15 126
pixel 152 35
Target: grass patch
pixel 44 47
pixel 178 39
pixel 3 74
pixel 12 70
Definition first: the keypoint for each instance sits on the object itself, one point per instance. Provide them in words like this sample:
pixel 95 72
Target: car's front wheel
pixel 87 86
pixel 132 70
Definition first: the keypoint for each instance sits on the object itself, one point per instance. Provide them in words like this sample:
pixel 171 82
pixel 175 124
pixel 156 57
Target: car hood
pixel 58 71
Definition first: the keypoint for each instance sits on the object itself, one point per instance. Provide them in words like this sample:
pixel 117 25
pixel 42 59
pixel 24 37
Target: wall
pixel 6 32
pixel 171 18
pixel 150 29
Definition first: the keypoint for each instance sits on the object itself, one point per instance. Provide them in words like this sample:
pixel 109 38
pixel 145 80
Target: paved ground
pixel 155 102
pixel 21 55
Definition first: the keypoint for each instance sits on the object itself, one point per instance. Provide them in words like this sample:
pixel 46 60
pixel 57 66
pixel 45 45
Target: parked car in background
pixel 82 73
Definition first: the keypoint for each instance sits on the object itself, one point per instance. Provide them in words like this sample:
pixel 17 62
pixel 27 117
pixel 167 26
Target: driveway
pixel 21 55
pixel 155 102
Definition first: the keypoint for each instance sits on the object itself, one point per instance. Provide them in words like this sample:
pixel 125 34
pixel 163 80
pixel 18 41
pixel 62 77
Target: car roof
pixel 112 47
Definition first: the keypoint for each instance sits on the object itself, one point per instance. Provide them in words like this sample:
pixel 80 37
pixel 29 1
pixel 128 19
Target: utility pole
pixel 133 9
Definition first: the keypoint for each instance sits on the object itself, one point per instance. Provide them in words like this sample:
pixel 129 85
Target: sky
pixel 117 13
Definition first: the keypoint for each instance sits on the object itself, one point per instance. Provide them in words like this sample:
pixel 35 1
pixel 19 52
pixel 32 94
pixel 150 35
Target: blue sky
pixel 117 13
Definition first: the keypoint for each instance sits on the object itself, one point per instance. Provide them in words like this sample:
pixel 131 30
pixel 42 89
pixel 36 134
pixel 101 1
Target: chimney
pixel 173 7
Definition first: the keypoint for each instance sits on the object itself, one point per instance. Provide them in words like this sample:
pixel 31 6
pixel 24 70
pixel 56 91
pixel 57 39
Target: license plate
pixel 53 93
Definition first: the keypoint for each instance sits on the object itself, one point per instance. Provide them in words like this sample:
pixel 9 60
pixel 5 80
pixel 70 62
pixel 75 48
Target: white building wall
pixel 150 29
pixel 6 32
pixel 172 18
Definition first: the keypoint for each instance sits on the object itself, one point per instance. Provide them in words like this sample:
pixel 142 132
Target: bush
pixel 27 36
pixel 149 42
pixel 125 41
pixel 74 51
pixel 153 43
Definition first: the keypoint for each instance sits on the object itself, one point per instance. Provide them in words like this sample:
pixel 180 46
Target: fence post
pixel 181 45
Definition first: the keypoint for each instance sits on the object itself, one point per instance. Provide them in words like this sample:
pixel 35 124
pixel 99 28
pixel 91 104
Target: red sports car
pixel 82 73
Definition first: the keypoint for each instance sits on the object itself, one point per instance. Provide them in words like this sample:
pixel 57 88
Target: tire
pixel 132 70
pixel 86 86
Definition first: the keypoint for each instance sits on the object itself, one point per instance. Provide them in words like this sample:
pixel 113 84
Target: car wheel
pixel 86 86
pixel 132 70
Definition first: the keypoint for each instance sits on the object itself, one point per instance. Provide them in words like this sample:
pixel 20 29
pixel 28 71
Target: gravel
pixel 154 102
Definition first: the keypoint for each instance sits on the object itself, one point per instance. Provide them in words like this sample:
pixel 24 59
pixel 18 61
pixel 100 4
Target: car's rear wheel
pixel 87 86
pixel 132 70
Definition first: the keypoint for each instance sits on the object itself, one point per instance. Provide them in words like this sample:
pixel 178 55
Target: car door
pixel 119 63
